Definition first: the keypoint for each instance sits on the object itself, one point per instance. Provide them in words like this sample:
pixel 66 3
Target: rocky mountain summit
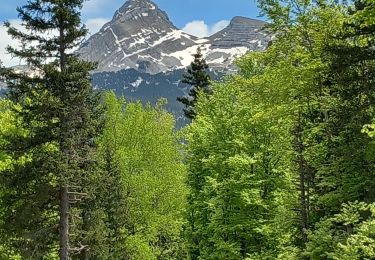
pixel 140 36
pixel 241 32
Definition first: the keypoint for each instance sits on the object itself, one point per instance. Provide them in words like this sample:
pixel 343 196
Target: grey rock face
pixel 141 37
pixel 239 37
pixel 242 32
pixel 2 87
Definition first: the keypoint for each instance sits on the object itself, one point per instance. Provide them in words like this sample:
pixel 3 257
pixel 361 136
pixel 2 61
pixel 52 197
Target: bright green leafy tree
pixel 235 174
pixel 141 199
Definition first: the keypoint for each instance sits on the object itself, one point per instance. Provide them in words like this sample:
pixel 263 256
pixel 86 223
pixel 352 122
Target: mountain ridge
pixel 141 36
pixel 142 55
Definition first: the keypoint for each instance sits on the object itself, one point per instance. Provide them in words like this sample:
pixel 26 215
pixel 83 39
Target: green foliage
pixel 347 235
pixel 288 77
pixel 280 158
pixel 142 191
pixel 308 95
pixel 348 171
pixel 7 127
pixel 57 112
pixel 235 175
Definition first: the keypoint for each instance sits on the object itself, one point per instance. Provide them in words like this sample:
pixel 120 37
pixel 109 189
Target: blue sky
pixel 198 17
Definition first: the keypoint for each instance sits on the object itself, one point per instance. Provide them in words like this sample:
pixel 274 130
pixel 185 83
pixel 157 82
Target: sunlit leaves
pixel 142 164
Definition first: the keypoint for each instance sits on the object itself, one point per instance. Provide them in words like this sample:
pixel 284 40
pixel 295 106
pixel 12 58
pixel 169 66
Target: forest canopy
pixel 278 161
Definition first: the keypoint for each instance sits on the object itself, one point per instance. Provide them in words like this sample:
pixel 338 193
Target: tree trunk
pixel 303 196
pixel 303 200
pixel 64 223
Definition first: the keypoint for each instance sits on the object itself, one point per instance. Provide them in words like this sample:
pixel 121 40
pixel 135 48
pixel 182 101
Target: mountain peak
pixel 242 32
pixel 135 9
pixel 141 37
pixel 246 21
pixel 142 2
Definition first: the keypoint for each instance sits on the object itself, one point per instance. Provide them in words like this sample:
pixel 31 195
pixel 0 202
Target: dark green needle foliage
pixel 58 110
pixel 350 83
pixel 197 77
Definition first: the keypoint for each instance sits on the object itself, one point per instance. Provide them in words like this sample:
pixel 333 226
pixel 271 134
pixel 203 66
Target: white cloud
pixel 197 28
pixel 201 29
pixel 95 24
pixel 7 40
pixel 93 6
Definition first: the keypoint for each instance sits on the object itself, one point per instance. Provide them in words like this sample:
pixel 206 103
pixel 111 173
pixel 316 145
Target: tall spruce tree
pixel 58 110
pixel 198 79
pixel 350 84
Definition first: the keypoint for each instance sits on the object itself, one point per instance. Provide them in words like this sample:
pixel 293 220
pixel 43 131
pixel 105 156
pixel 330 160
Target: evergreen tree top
pixel 53 29
pixel 199 80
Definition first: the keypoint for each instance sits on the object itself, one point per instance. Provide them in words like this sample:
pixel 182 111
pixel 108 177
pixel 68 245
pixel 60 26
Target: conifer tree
pixel 58 109
pixel 198 79
pixel 350 81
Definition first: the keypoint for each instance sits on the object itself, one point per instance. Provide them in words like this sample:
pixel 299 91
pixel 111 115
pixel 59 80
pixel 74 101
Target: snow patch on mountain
pixel 137 83
pixel 186 56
